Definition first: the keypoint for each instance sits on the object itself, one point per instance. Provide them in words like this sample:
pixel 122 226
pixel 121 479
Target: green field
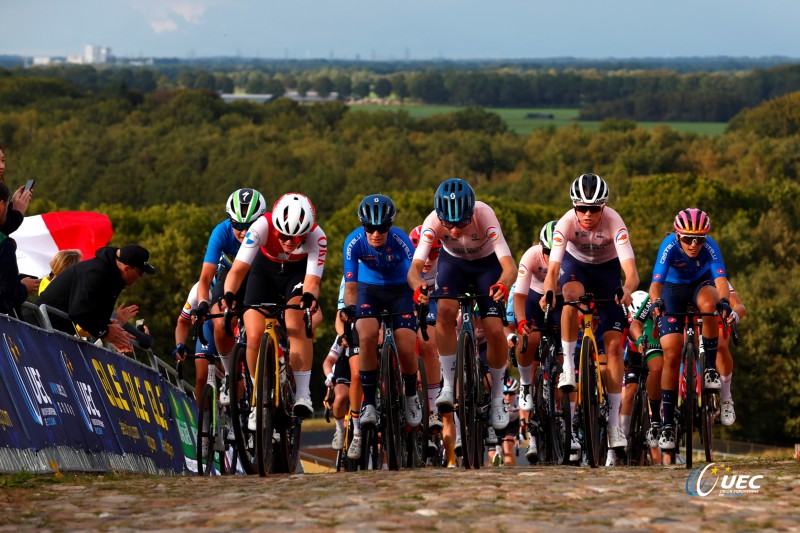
pixel 515 118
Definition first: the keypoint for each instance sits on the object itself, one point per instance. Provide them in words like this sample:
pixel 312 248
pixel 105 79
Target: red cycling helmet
pixel 415 234
pixel 692 221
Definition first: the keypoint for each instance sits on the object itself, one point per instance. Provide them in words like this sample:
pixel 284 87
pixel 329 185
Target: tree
pixel 361 89
pixel 343 86
pixel 323 85
pixel 383 87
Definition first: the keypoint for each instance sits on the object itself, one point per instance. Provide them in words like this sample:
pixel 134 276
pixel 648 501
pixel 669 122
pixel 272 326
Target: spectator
pixel 89 290
pixel 18 204
pixel 60 262
pixel 13 291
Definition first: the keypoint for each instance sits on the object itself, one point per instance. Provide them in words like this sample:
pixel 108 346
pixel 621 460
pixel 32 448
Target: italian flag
pixel 41 236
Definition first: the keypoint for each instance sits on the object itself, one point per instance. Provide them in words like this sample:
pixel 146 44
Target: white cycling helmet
pixel 589 189
pixel 293 214
pixel 638 298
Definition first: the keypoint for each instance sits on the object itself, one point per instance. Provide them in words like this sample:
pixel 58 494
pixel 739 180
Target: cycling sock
pixel 448 363
pixel 525 374
pixel 625 424
pixel 369 378
pixel 725 393
pixel 572 410
pixel 339 424
pixel 569 355
pixel 356 423
pixel 655 410
pixel 433 392
pixel 410 384
pixel 302 379
pixel 614 402
pixel 497 381
pixel 227 361
pixel 710 346
pixel 668 398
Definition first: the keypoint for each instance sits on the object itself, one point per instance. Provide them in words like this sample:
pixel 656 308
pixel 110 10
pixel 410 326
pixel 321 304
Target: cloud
pixel 166 16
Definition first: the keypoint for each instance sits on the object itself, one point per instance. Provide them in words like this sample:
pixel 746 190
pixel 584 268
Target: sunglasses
pixel 693 239
pixel 286 238
pixel 459 225
pixel 380 228
pixel 241 226
pixel 588 208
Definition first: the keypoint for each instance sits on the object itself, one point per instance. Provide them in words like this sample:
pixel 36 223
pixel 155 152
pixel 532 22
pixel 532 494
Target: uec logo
pixel 703 480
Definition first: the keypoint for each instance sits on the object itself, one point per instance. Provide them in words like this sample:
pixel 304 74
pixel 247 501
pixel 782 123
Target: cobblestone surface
pixel 506 499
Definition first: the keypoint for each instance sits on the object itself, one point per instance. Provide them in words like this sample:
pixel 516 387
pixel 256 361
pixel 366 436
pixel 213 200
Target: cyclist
pixel 590 245
pixel 689 270
pixel 341 374
pixel 243 207
pixel 376 259
pixel 182 328
pixel 641 324
pixel 528 292
pixel 474 252
pixel 284 253
pixel 427 349
pixel 725 361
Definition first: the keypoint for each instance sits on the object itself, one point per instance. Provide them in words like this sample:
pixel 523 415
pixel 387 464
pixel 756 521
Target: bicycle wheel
pixel 590 403
pixel 240 385
pixel 690 401
pixel 637 445
pixel 392 394
pixel 709 413
pixel 265 387
pixel 466 398
pixel 558 419
pixel 417 444
pixel 204 441
pixel 289 428
pixel 539 421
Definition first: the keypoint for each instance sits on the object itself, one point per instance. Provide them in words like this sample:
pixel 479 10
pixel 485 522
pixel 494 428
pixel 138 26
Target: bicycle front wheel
pixel 240 385
pixel 266 391
pixel 637 445
pixel 204 443
pixel 709 413
pixel 590 404
pixel 466 383
pixel 690 401
pixel 417 444
pixel 392 394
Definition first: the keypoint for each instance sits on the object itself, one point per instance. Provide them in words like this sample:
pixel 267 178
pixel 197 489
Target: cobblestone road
pixel 509 499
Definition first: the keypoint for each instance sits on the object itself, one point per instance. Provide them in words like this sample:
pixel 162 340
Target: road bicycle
pixel 550 423
pixel 472 399
pixel 638 453
pixel 697 407
pixel 274 447
pixel 592 402
pixel 214 449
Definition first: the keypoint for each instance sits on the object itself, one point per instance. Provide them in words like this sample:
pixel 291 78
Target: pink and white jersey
pixel 532 271
pixel 263 237
pixel 604 242
pixel 480 238
pixel 191 302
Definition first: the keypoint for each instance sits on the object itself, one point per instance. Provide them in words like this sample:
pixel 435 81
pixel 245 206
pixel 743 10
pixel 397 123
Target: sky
pixel 413 29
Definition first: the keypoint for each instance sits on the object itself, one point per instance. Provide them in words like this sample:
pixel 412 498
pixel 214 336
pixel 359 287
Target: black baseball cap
pixel 137 257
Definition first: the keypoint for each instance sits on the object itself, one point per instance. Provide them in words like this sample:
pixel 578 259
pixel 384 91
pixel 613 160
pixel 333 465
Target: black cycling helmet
pixel 454 200
pixel 377 210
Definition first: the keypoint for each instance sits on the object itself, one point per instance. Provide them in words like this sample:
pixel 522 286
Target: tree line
pixel 643 95
pixel 162 164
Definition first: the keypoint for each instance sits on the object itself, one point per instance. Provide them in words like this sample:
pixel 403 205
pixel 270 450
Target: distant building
pixel 93 54
pixel 310 97
pixel 255 98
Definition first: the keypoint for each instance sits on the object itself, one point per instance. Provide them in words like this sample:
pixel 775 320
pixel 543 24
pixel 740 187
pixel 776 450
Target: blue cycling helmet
pixel 454 200
pixel 377 210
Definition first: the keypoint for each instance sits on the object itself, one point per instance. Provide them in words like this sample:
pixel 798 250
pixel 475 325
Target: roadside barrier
pixel 69 405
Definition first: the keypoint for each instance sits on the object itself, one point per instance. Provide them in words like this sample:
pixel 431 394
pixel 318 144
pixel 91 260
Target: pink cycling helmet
pixel 692 221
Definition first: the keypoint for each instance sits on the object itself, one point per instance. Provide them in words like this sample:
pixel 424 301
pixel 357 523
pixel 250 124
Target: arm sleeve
pixel 622 241
pixel 717 264
pixel 559 238
pixel 523 283
pixel 255 236
pixel 661 267
pixel 317 252
pixel 350 255
pixel 427 236
pixel 494 233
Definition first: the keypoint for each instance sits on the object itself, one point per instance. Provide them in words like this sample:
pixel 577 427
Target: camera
pixel 140 325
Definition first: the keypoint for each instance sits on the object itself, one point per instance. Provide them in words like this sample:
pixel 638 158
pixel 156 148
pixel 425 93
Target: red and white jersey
pixel 262 236
pixel 602 243
pixel 480 238
pixel 532 271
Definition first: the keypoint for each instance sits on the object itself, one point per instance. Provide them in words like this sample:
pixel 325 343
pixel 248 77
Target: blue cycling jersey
pixel 387 265
pixel 222 241
pixel 674 266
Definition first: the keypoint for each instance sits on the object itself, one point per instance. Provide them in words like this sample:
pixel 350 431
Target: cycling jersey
pixel 263 237
pixel 532 272
pixel 387 265
pixel 481 238
pixel 222 242
pixel 607 240
pixel 674 266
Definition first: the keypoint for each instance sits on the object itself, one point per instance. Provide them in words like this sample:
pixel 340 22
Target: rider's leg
pixel 446 342
pixel 569 324
pixel 301 348
pixel 707 298
pixel 672 345
pixel 368 364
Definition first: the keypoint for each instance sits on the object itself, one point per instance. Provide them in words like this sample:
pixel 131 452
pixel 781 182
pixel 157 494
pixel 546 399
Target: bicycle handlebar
pixel 688 313
pixel 269 310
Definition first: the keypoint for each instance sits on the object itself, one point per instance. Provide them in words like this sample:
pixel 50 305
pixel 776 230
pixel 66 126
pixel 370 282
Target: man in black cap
pixel 88 292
